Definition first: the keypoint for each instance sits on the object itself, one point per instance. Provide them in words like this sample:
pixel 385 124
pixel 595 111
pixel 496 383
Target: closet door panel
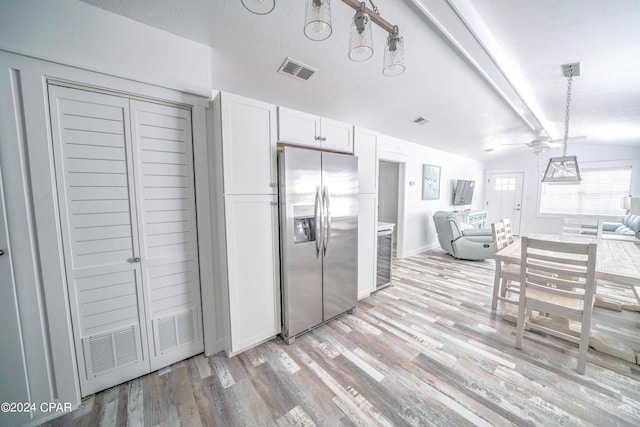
pixel 166 208
pixel 99 235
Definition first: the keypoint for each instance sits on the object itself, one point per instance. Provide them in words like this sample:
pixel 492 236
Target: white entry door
pixel 504 198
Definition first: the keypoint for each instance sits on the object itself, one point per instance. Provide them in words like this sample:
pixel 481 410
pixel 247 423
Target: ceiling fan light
pixel 259 7
pixel 361 40
pixel 317 22
pixel 394 55
pixel 562 169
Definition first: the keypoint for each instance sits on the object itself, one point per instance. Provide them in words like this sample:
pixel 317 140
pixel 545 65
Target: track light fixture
pixel 317 27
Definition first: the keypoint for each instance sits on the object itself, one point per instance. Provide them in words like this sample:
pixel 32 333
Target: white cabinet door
pixel 253 269
pixel 366 149
pixel 165 196
pixel 367 243
pixel 336 136
pixel 92 150
pixel 249 145
pixel 296 127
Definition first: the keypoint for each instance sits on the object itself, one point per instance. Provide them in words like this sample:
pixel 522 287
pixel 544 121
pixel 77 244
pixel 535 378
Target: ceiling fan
pixel 542 142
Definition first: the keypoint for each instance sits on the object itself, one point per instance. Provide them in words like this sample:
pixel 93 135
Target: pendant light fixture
pixel 361 41
pixel 394 54
pixel 565 169
pixel 317 22
pixel 259 7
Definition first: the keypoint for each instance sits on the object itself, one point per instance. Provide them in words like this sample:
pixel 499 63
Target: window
pixel 601 192
pixel 505 184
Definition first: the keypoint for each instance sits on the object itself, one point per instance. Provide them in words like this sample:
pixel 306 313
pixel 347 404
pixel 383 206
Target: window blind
pixel 601 192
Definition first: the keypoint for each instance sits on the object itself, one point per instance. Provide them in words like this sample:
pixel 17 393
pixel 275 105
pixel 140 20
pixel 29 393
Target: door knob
pixel 134 260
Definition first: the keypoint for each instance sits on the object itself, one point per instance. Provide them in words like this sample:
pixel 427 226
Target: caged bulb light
pixel 317 19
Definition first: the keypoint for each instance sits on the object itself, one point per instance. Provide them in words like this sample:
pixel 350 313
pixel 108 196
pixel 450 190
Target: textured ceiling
pixel 466 114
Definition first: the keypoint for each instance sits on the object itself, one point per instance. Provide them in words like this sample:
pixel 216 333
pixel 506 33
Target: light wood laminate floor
pixel 426 351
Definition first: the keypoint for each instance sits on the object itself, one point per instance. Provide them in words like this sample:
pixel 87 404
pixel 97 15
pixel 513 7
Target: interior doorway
pixel 504 198
pixel 391 200
pixel 388 179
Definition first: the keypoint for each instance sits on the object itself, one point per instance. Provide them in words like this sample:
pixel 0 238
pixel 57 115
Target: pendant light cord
pixel 567 111
pixel 374 7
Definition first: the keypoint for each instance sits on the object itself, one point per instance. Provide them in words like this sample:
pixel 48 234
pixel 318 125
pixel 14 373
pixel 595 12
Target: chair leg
pixel 496 286
pixel 504 285
pixel 520 325
pixel 585 331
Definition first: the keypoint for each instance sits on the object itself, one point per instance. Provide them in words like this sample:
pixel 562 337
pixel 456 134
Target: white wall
pixel 589 156
pixel 418 232
pixel 78 34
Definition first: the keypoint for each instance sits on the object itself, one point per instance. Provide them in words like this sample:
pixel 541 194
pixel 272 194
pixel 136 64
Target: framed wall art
pixel 430 182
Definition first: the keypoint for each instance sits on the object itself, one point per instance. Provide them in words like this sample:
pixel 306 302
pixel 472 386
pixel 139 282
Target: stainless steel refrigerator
pixel 318 203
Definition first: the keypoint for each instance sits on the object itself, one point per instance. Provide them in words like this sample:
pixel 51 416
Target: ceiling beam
pixel 460 23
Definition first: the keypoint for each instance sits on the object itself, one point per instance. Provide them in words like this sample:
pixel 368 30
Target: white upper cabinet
pixel 336 136
pixel 296 127
pixel 249 145
pixel 366 149
pixel 299 128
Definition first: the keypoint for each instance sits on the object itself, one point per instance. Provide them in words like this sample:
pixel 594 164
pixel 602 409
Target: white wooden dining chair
pixel 506 274
pixel 587 228
pixel 557 278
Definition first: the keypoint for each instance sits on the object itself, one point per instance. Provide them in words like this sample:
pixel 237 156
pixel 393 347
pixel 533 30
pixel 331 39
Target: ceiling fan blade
pixel 571 138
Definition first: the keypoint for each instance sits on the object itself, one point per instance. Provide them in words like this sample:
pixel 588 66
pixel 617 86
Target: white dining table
pixel 617 262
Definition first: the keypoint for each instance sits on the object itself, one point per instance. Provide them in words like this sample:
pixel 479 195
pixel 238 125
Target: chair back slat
pixel 543 258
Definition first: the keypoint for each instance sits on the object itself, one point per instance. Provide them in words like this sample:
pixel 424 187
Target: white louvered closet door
pixel 92 151
pixel 124 173
pixel 163 162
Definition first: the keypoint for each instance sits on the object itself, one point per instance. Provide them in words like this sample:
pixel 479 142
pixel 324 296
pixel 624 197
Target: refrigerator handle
pixel 317 213
pixel 327 215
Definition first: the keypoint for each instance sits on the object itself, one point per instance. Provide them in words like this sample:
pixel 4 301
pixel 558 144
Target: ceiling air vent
pixel 296 69
pixel 421 121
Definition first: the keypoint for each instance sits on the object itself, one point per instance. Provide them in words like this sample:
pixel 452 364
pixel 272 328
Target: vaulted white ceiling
pixel 483 73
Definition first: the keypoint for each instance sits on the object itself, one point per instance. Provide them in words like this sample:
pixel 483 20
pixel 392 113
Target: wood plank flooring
pixel 426 351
